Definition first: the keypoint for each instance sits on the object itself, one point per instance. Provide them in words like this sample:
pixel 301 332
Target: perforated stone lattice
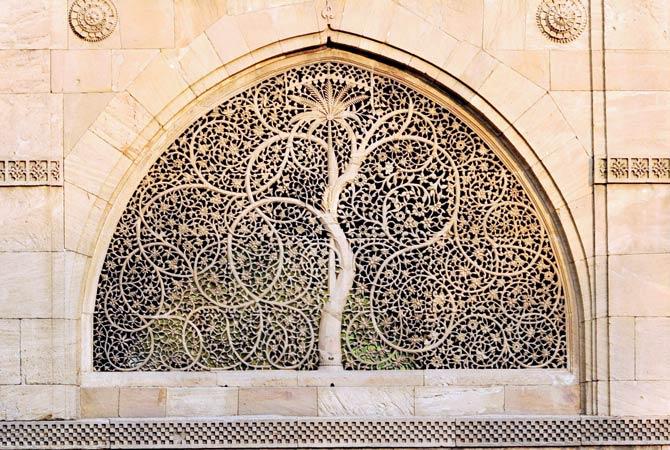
pixel 317 432
pixel 330 191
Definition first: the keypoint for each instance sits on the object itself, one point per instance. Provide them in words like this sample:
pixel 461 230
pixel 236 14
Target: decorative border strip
pixel 632 170
pixel 30 172
pixel 238 432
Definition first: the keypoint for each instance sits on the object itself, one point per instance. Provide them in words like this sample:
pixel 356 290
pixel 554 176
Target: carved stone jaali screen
pixel 330 215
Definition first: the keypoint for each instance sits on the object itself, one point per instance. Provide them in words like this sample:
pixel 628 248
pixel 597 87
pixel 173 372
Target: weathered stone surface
pixel 31 218
pixel 622 348
pixel 438 401
pixel 642 398
pixel 24 71
pixel 652 352
pixel 542 399
pixel 206 401
pixel 10 352
pixel 99 402
pixel 33 24
pixel 282 401
pixel 639 285
pixel 81 70
pixel 35 402
pixel 28 283
pixel 79 112
pixel 638 218
pixel 142 402
pixel 49 351
pixel 157 23
pixel 366 401
pixel 41 137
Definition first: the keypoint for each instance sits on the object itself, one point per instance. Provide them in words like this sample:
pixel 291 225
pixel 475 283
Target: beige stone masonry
pixel 366 401
pixel 445 401
pixel 10 352
pixel 32 219
pixel 540 399
pixel 287 401
pixel 24 71
pixel 639 285
pixel 652 352
pixel 49 351
pixel 81 71
pixel 142 402
pixel 217 401
pixel 99 402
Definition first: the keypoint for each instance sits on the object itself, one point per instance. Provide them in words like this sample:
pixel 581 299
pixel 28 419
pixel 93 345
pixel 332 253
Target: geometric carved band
pixel 237 432
pixel 632 170
pixel 29 172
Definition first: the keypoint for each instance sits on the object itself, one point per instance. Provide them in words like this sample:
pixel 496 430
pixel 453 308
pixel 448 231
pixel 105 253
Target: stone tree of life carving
pixel 329 216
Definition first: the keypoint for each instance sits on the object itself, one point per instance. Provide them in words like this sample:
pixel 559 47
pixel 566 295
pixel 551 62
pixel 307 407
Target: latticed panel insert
pixel 330 186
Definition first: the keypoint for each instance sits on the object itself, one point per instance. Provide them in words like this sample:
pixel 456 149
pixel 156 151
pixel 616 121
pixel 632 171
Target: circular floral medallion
pixel 93 20
pixel 561 20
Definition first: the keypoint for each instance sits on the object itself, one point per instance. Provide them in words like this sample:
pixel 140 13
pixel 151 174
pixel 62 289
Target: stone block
pixel 542 399
pixel 622 348
pixel 31 219
pixel 495 377
pixel 544 127
pixel 652 70
pixel 630 26
pixel 639 285
pixel 504 24
pixel 637 218
pixel 340 378
pixel 570 70
pixel 28 283
pixel 10 352
pixel 533 64
pixel 99 402
pixel 201 401
pixel 283 401
pixel 510 92
pixel 366 401
pixel 195 61
pixel 122 122
pixel 640 398
pixel 146 24
pixel 81 70
pixel 24 71
pixel 446 401
pixel 158 85
pixel 652 348
pixel 226 37
pixel 38 402
pixel 142 402
pixel 83 212
pixel 95 166
pixel 41 137
pixel 192 17
pixel 127 64
pixel 637 123
pixel 33 24
pixel 49 350
pixel 262 378
pixel 79 112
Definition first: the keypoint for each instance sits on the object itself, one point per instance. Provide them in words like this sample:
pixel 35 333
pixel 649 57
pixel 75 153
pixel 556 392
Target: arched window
pixel 331 214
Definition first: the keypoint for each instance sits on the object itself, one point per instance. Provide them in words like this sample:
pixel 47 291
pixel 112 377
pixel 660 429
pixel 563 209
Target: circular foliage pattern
pixel 93 20
pixel 329 181
pixel 561 20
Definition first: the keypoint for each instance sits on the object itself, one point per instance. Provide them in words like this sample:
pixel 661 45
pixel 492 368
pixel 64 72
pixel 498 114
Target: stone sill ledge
pixel 332 376
pixel 291 432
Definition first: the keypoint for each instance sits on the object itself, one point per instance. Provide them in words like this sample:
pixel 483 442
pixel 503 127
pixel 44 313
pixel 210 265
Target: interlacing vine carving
pixel 329 215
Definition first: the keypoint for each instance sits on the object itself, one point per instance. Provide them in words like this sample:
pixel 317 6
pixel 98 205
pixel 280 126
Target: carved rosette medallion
pixel 561 20
pixel 330 215
pixel 93 20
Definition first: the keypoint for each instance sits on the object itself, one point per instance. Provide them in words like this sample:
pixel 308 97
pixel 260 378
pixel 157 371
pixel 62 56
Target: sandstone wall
pixel 94 109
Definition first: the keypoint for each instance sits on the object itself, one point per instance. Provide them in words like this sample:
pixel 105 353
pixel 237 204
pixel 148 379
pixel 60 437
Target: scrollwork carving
pixel 329 215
